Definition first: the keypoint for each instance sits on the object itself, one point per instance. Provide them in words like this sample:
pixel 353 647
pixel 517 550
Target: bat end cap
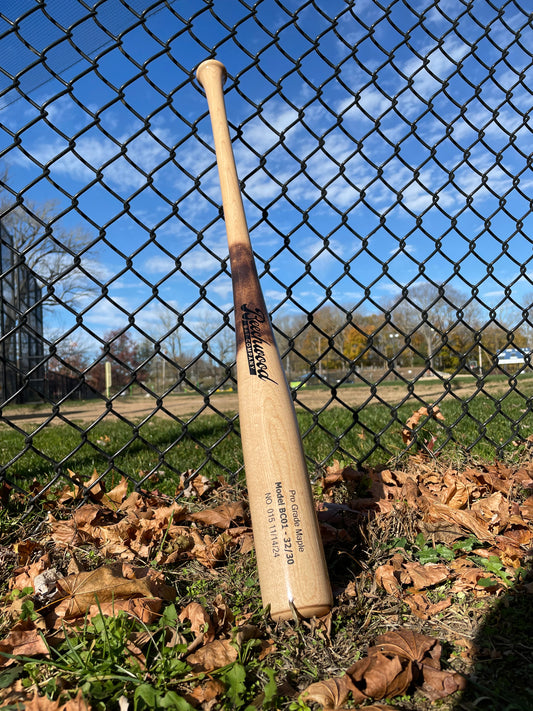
pixel 211 68
pixel 307 611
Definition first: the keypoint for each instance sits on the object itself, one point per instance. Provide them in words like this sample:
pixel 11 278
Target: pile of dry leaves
pixel 137 538
pixel 449 504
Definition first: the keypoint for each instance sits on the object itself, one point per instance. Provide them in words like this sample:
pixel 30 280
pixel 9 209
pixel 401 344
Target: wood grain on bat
pixel 290 557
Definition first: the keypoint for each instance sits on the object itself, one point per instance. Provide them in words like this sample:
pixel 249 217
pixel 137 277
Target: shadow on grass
pixel 500 678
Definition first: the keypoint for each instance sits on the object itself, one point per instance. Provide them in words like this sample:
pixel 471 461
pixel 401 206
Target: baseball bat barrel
pixel 292 570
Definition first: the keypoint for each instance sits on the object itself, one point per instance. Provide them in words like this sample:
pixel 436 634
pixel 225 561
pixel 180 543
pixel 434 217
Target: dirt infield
pixel 139 408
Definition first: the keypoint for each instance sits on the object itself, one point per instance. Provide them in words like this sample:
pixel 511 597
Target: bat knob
pixel 211 70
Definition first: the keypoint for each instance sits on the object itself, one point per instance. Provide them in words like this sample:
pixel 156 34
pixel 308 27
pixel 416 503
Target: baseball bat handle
pixel 290 558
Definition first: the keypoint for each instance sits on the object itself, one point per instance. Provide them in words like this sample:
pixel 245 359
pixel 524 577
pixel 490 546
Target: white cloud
pixel 160 264
pixel 371 103
pixel 408 249
pixel 274 296
pixel 93 150
pixel 221 287
pixel 104 316
pixel 439 64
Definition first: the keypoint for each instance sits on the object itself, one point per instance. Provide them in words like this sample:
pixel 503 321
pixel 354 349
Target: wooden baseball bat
pixel 290 558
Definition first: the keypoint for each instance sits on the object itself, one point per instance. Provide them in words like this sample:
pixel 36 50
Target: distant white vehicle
pixel 513 356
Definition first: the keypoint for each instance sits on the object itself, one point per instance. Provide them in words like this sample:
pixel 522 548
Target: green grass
pixel 373 434
pixel 480 426
pixel 98 661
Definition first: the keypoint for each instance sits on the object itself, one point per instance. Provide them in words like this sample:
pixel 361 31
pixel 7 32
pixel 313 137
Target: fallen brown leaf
pixel 116 496
pixel 387 575
pixel 105 585
pixel 438 683
pixel 200 622
pixel 43 703
pixel 413 422
pixel 425 653
pixel 25 549
pixel 397 572
pixel 470 521
pixel 214 655
pixel 423 576
pixel 25 638
pixel 330 693
pixel 406 644
pixel 206 694
pixel 221 516
pixel 424 609
pixel 379 676
pixel 222 616
pixel 24 576
pixel 194 485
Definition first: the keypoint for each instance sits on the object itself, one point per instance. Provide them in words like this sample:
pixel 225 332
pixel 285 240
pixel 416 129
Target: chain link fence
pixel 384 153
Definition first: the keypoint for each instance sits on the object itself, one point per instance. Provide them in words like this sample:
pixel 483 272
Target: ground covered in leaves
pixel 112 599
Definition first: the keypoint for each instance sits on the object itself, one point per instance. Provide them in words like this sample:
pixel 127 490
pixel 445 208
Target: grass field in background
pixel 372 434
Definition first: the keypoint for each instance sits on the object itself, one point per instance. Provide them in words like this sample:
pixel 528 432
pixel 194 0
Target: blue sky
pixel 401 154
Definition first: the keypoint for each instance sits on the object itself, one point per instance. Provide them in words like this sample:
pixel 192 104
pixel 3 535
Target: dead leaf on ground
pixel 24 576
pixel 469 521
pixel 116 496
pixel 423 576
pixel 330 693
pixel 222 516
pixel 78 593
pixel 438 683
pixel 25 549
pixel 406 644
pixel 424 609
pixel 379 676
pixel 423 413
pixel 214 655
pixel 397 572
pixel 336 474
pixel 194 485
pixel 26 639
pixel 43 703
pixel 222 615
pixel 201 624
pixel 245 632
pixel 206 694
pixel 425 652
pixel 387 575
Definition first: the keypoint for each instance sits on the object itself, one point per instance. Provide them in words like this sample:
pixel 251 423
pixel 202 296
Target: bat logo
pixel 252 321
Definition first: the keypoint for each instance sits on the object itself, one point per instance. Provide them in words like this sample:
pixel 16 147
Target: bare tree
pixel 171 339
pixel 53 253
pixel 432 313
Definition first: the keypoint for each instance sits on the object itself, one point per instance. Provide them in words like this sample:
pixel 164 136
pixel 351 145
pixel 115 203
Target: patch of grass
pixel 160 446
pixel 480 427
pixel 103 661
pixel 163 448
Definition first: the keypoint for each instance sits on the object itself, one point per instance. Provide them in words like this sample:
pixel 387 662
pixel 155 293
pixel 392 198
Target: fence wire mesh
pixel 384 153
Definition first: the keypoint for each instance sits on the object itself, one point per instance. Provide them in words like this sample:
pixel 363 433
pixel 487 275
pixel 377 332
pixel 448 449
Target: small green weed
pixel 493 565
pixel 429 552
pixel 103 661
pixel 438 552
